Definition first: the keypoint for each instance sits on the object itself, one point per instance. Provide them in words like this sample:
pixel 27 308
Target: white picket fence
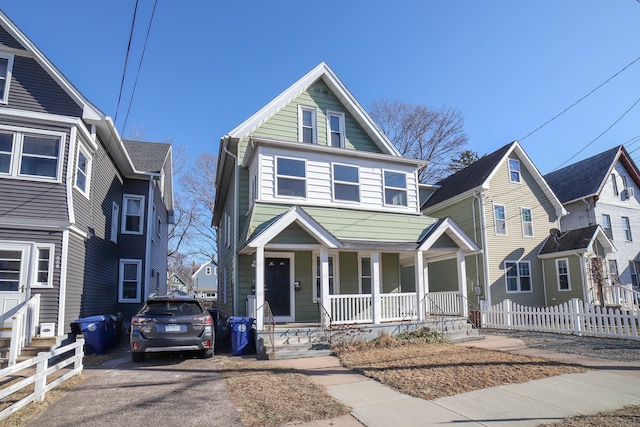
pixel 573 317
pixel 39 379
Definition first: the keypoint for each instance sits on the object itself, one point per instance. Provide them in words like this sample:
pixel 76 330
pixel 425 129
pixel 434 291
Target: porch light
pixel 253 263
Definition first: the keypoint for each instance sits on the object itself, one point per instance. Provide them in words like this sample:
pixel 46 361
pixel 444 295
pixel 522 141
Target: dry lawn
pixel 433 370
pixel 277 396
pixel 629 416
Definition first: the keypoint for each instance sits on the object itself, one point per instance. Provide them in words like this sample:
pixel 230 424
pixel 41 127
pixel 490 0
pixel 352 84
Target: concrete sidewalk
pixel 612 386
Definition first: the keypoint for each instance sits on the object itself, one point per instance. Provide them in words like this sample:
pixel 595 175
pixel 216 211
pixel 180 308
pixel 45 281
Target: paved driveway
pixel 166 389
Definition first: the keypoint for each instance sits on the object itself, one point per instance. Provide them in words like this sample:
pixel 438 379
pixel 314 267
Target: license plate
pixel 172 328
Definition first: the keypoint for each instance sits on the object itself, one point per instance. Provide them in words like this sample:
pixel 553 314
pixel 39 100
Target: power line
pixel 579 100
pixel 126 61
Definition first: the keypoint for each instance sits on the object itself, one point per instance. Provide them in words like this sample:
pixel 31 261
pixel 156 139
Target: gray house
pixel 83 214
pixel 205 281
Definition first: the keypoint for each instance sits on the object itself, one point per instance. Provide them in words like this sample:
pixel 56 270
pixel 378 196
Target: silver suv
pixel 171 322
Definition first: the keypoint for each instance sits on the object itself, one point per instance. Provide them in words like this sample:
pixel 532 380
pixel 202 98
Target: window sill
pixel 41 286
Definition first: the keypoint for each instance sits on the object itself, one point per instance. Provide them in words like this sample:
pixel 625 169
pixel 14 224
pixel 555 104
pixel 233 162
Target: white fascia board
pixel 562 254
pixel 295 214
pixel 533 170
pixel 604 240
pixel 454 232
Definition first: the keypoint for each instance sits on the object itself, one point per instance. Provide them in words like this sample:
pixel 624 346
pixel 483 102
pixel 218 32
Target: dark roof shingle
pixel 569 240
pixel 147 156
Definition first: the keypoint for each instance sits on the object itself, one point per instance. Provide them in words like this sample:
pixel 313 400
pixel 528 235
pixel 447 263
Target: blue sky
pixel 507 66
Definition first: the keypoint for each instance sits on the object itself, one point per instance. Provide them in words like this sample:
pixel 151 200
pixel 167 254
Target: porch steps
pixel 292 343
pixel 456 329
pixel 38 345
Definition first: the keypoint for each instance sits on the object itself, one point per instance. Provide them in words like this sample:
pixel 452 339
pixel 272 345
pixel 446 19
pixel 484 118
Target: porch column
pixel 376 311
pixel 462 284
pixel 324 286
pixel 425 295
pixel 419 271
pixel 259 285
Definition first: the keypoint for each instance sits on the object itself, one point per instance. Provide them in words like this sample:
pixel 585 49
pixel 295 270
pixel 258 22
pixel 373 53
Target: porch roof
pixel 575 242
pixel 351 227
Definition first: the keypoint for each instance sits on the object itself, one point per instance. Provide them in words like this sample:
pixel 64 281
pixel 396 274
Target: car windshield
pixel 172 308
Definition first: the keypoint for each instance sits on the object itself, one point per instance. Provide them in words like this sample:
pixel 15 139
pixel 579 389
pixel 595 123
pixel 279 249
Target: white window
pixel 514 170
pixel 12 259
pixel 30 154
pixel 291 177
pixel 527 222
pixel 346 183
pixel 227 229
pixel 613 271
pixel 335 129
pixel 518 276
pixel 307 131
pixel 158 226
pixel 115 215
pixel 83 171
pixel 500 220
pixel 332 278
pixel 130 283
pixel 132 215
pixel 562 272
pixel 395 188
pixel 154 224
pixel 6 68
pixel 365 275
pixel 253 190
pixel 626 226
pixel 207 271
pixel 633 269
pixel 624 182
pixel 606 225
pixel 614 181
pixel 44 266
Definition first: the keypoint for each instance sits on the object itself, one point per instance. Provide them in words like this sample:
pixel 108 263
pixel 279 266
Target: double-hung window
pixel 332 278
pixel 626 226
pixel 514 170
pixel 606 225
pixel 365 275
pixel 614 181
pixel 44 266
pixel 395 188
pixel 335 128
pixel 129 286
pixel 133 216
pixel 115 216
pixel 346 183
pixel 83 171
pixel 307 131
pixel 500 220
pixel 6 68
pixel 527 222
pixel 208 271
pixel 518 276
pixel 30 154
pixel 291 177
pixel 562 271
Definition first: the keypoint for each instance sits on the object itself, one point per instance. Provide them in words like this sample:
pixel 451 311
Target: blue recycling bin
pixel 241 335
pixel 97 332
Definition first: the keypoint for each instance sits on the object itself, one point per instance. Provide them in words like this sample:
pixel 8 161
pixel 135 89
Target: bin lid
pixel 98 318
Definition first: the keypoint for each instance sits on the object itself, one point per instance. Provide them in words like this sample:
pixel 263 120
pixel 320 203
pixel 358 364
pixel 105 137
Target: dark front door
pixel 277 285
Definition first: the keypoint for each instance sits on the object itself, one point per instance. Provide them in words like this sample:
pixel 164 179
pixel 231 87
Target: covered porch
pixel 355 281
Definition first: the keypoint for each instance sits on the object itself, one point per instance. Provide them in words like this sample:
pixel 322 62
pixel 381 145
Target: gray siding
pixel 158 256
pixel 7 41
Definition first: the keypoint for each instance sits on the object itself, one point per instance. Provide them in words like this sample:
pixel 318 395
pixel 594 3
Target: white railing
pixel 447 303
pixel 574 317
pixel 621 296
pixel 23 327
pixel 39 379
pixel 350 308
pixel 399 306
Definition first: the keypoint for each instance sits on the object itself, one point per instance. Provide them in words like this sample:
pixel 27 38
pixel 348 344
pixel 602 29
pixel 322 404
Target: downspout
pixel 485 251
pixel 147 255
pixel 588 212
pixel 236 189
pixel 544 284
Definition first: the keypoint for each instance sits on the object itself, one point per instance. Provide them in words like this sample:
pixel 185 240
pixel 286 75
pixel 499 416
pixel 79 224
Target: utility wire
pixel 126 61
pixel 155 4
pixel 579 100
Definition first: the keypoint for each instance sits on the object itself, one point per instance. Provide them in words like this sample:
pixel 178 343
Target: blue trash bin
pixel 94 330
pixel 241 335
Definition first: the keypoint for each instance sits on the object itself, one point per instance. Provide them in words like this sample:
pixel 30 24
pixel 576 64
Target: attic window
pixel 307 124
pixel 6 67
pixel 335 129
pixel 514 170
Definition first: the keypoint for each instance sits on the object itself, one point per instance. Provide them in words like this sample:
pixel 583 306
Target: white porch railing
pixel 399 306
pixel 447 303
pixel 23 328
pixel 350 308
pixel 621 296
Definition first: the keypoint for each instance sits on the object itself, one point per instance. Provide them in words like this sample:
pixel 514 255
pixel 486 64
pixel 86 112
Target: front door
pixel 277 287
pixel 13 278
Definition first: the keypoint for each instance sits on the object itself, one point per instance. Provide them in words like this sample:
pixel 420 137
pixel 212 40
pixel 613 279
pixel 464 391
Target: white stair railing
pixel 621 296
pixel 23 328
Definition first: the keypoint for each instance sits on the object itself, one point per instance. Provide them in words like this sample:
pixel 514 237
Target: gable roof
pixel 322 71
pixel 575 241
pixel 587 177
pixel 478 175
pixel 208 263
pixel 147 156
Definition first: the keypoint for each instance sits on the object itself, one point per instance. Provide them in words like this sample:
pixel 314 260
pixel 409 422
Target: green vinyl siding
pixel 246 282
pixel 306 309
pixel 408 278
pixel 294 235
pixel 349 276
pixel 554 295
pixel 443 276
pixel 390 273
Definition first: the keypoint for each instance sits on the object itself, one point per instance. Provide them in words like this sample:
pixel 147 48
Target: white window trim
pixel 159 226
pixel 336 282
pixel 207 271
pixel 626 227
pixel 566 260
pixel 610 226
pixel 154 224
pixel 227 229
pixel 278 176
pixel 7 83
pixel 125 198
pixel 385 187
pixel 314 123
pixel 334 181
pixel 138 262
pixel 34 265
pixel 16 153
pixel 25 250
pixel 343 130
pixel 524 222
pixel 495 220
pixel 506 280
pixel 115 217
pixel 360 256
pixel 615 184
pixel 89 158
pixel 519 171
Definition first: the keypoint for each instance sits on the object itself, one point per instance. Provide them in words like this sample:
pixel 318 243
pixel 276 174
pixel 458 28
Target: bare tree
pixel 422 133
pixel 463 160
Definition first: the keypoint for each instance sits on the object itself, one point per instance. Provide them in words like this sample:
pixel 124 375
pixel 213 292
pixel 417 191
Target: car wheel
pixel 137 357
pixel 207 353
